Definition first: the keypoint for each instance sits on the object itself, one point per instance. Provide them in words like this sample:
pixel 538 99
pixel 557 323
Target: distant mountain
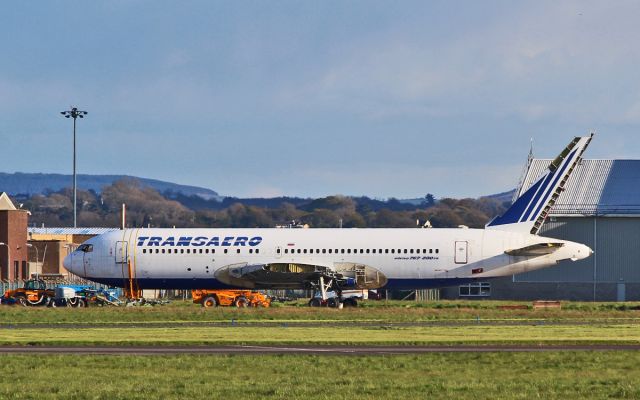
pixel 504 197
pixel 20 183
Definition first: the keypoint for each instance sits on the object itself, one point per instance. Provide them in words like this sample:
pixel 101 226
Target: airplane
pixel 327 259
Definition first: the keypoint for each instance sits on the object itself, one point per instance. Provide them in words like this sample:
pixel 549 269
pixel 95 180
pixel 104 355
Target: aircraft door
pixel 86 262
pixel 122 252
pixel 461 252
pixel 278 252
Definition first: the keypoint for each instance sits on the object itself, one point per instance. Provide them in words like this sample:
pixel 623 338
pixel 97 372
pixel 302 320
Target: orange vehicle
pixel 238 298
pixel 34 293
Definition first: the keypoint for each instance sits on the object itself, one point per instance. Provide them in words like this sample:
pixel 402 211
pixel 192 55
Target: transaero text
pixel 199 241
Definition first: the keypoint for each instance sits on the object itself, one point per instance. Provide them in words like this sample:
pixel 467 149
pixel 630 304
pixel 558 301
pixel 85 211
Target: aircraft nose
pixel 68 262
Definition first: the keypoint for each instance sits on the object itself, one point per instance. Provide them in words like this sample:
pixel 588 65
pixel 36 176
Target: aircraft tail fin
pixel 530 210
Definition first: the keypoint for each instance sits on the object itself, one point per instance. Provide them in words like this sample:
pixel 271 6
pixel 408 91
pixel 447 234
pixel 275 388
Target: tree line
pixel 148 207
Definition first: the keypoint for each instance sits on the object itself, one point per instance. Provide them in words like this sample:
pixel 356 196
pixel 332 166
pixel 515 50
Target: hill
pixel 28 184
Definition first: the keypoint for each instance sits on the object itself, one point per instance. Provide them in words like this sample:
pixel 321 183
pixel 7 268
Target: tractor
pixel 34 293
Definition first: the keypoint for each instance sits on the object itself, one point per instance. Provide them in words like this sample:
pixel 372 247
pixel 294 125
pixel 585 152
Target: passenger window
pixel 257 251
pixel 188 251
pixel 304 251
pixel 405 251
pixel 341 251
pixel 238 251
pixel 299 251
pixel 157 251
pixel 386 251
pixel 367 251
pixel 163 251
pixel 226 250
pixel 437 251
pixel 411 251
pixel 349 251
pixel 144 251
pixel 324 251
pixel 330 251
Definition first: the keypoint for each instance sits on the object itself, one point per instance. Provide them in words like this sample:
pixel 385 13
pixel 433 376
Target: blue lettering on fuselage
pixel 199 241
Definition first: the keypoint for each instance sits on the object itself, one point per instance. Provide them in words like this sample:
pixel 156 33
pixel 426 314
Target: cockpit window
pixel 87 248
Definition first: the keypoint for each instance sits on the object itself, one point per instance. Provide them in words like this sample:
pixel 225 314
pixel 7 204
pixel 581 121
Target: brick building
pixel 13 241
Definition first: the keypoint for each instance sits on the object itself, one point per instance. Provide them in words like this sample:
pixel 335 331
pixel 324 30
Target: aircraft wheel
pixel 333 302
pixel 350 303
pixel 241 302
pixel 209 302
pixel 315 302
pixel 22 301
pixel 81 303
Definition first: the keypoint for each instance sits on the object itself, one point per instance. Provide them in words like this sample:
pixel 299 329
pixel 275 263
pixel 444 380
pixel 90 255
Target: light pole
pixel 74 113
pixel 8 259
pixel 37 257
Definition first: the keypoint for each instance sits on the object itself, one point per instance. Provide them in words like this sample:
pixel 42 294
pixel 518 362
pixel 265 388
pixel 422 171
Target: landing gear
pixel 327 284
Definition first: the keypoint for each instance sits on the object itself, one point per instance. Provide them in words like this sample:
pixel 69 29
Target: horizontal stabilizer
pixel 538 249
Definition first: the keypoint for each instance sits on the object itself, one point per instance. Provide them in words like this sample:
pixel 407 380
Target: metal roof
pixel 70 231
pixel 596 187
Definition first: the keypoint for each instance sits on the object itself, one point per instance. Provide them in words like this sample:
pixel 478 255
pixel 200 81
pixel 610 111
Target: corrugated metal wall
pixel 617 256
pixel 618 253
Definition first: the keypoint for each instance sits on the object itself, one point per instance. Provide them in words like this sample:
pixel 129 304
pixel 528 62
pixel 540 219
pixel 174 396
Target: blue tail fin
pixel 529 211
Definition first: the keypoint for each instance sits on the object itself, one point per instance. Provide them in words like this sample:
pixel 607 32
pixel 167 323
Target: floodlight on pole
pixel 74 113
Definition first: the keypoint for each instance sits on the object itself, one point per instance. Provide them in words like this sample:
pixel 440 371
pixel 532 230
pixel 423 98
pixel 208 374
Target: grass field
pixel 393 311
pixel 323 335
pixel 446 322
pixel 549 375
pixel 563 375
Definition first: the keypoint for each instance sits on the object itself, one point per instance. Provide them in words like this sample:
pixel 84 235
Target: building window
pixel 476 289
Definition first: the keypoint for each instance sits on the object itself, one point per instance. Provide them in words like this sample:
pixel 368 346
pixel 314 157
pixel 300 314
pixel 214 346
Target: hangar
pixel 599 207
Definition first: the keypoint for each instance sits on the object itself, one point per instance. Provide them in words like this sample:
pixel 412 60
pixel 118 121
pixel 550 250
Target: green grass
pixel 562 375
pixel 343 335
pixel 393 311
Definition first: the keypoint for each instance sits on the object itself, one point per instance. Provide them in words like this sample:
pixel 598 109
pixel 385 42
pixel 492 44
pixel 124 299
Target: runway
pixel 308 350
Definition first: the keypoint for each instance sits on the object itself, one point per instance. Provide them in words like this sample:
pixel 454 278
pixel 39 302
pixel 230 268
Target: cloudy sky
pixel 313 98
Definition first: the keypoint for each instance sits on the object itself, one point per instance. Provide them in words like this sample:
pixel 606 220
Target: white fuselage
pixel 407 258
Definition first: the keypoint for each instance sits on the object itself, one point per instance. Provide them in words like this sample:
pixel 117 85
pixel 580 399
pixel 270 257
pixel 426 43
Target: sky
pixel 317 98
